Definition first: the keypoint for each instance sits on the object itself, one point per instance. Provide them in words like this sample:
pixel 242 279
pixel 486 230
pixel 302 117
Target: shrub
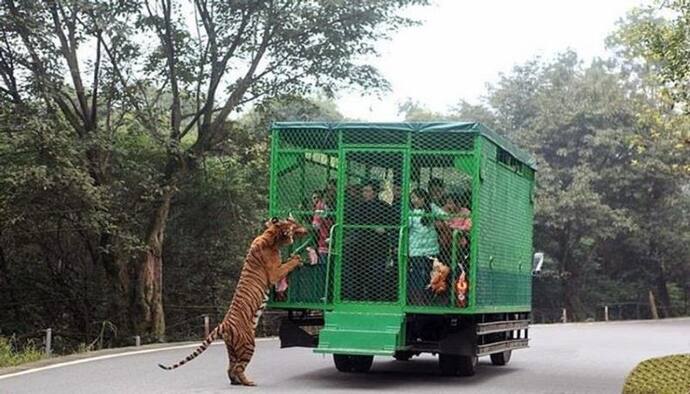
pixel 10 357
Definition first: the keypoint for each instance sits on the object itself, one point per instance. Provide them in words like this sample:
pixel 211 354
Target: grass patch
pixel 664 375
pixel 9 357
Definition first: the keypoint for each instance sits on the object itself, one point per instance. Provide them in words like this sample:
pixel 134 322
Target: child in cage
pixel 423 244
pixel 322 222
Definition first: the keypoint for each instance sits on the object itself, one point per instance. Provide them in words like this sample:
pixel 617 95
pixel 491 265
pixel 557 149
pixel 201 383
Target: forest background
pixel 134 156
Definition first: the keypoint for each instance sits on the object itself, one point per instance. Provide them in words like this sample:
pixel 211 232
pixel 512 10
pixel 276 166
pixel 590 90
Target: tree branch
pixel 244 83
pixel 94 87
pixel 69 53
pixel 37 68
pixel 168 42
pixel 218 67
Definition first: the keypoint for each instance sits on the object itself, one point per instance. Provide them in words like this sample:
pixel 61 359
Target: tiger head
pixel 285 230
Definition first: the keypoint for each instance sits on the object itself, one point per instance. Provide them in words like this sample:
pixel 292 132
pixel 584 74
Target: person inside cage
pixel 437 191
pixel 423 245
pixel 322 222
pixel 394 212
pixel 366 247
pixel 353 197
pixel 316 199
pixel 316 203
pixel 396 203
pixel 458 218
pixel 330 193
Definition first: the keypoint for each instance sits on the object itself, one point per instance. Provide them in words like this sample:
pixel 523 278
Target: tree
pixel 657 36
pixel 248 50
pixel 652 54
pixel 610 175
pixel 569 114
pixel 47 84
pixel 184 90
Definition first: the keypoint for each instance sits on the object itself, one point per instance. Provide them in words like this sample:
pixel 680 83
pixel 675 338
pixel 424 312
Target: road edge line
pixel 108 356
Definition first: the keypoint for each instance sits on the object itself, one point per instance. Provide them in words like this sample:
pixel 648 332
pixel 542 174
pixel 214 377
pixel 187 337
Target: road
pixel 564 358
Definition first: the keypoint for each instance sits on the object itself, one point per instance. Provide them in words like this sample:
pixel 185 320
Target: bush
pixel 9 357
pixel 660 375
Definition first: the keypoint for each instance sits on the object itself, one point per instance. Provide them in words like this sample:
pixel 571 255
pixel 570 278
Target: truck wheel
pixel 403 356
pixel 349 363
pixel 501 358
pixel 456 365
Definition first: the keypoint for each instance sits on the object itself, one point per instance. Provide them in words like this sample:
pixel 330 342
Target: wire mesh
pixel 440 225
pixel 371 224
pixel 505 238
pixel 381 205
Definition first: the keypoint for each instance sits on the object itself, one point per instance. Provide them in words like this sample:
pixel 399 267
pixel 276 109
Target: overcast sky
pixel 463 45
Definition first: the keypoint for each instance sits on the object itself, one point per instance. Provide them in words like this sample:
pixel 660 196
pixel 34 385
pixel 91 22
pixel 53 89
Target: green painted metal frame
pixel 335 259
pixel 402 288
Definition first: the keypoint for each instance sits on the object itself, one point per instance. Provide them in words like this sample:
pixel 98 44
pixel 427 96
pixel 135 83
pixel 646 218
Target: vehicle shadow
pixel 386 374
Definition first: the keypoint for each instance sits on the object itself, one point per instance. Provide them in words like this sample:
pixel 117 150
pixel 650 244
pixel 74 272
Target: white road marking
pixel 107 356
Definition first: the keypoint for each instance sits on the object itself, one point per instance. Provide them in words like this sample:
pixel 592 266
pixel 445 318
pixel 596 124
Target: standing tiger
pixel 262 268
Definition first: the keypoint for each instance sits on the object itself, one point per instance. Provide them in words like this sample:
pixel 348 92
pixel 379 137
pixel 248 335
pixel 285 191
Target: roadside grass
pixel 664 375
pixel 10 357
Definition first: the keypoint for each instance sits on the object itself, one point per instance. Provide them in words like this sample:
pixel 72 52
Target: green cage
pixel 382 200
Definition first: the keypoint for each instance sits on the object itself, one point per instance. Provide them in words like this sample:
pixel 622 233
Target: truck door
pixel 370 208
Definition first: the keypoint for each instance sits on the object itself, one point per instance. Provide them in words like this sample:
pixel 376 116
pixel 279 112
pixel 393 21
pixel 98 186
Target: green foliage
pixel 220 210
pixel 658 34
pixel 415 112
pixel 10 357
pixel 611 209
pixel 125 127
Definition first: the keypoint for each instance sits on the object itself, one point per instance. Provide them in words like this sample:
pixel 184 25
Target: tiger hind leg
pixel 242 352
pixel 232 361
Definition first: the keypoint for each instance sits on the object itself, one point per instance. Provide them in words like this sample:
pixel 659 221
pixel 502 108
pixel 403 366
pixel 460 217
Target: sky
pixel 462 45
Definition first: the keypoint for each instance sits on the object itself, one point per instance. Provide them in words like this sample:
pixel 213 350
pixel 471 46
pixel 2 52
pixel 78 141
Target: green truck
pixel 384 202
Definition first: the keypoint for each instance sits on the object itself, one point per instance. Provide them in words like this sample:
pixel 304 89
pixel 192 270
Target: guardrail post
pixel 206 326
pixel 137 340
pixel 564 316
pixel 606 313
pixel 49 342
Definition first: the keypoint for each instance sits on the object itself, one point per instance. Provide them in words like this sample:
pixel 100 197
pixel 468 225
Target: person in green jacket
pixel 423 244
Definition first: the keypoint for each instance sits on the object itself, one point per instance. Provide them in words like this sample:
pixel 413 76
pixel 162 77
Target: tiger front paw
pixel 297 260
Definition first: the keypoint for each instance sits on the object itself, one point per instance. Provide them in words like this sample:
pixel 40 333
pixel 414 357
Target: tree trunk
pixel 662 290
pixel 5 280
pixel 147 302
pixel 572 302
pixel 118 284
pixel 571 281
pixel 652 306
pixel 663 298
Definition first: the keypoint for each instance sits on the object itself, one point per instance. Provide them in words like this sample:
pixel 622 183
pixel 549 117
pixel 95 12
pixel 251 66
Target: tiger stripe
pixel 262 268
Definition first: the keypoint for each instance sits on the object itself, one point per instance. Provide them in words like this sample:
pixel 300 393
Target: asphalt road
pixel 564 358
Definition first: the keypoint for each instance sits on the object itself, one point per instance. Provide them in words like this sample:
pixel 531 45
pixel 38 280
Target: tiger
pixel 262 269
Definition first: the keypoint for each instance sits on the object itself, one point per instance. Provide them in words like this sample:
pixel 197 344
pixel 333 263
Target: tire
pixel 403 356
pixel 349 363
pixel 468 365
pixel 501 358
pixel 448 363
pixel 456 365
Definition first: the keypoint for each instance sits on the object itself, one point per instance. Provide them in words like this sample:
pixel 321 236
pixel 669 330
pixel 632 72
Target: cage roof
pixel 428 127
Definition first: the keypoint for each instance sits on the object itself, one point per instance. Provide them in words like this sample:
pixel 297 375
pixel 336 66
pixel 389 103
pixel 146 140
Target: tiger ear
pixel 291 217
pixel 271 221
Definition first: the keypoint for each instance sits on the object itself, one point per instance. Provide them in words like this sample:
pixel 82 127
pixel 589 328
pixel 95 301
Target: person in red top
pixel 322 222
